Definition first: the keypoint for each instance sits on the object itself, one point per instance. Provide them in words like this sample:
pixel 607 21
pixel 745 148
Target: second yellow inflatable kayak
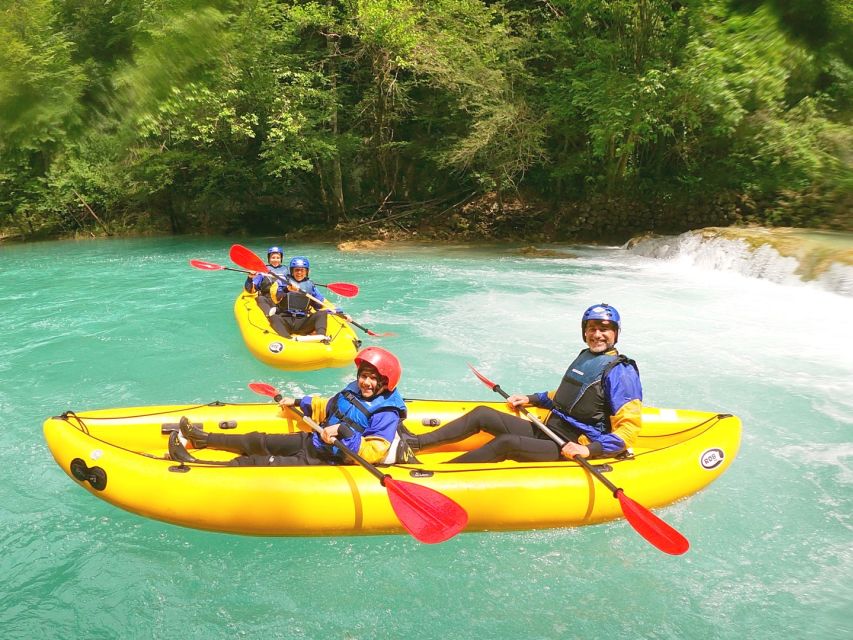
pixel 293 354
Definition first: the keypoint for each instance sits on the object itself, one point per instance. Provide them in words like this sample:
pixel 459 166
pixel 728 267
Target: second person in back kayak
pixel 260 283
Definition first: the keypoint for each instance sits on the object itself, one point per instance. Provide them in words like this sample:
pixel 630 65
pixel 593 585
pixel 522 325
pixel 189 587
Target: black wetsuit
pixel 515 438
pixel 268 450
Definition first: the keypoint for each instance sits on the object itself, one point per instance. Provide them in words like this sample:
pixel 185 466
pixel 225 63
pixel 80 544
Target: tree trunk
pixel 335 178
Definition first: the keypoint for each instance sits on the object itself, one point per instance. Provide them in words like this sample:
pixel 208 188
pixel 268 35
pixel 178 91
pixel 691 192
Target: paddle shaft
pixel 363 328
pixel 560 442
pixel 345 289
pixel 288 279
pixel 340 445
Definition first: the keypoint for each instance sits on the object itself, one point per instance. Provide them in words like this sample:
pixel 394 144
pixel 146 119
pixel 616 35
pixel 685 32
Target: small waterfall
pixel 783 256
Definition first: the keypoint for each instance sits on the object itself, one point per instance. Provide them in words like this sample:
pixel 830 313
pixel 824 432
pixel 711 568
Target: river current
pixel 114 323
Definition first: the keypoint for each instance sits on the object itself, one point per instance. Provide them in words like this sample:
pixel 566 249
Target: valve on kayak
pixel 95 476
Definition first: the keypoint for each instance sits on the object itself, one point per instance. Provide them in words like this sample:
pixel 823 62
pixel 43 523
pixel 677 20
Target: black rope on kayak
pixel 181 409
pixel 266 329
pixel 80 424
pixel 715 419
pixel 420 472
pixel 624 457
pixel 340 328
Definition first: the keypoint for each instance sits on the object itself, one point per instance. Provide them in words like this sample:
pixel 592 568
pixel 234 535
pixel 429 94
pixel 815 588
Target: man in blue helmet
pixel 597 407
pixel 260 283
pixel 299 307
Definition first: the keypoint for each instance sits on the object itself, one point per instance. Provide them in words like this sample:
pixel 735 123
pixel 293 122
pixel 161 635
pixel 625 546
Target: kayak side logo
pixel 276 347
pixel 711 458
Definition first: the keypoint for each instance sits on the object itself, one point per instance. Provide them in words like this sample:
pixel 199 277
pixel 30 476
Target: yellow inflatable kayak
pixel 292 353
pixel 120 455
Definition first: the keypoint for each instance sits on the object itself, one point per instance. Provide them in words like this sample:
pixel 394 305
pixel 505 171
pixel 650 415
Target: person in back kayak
pixel 297 305
pixel 597 407
pixel 260 283
pixel 364 416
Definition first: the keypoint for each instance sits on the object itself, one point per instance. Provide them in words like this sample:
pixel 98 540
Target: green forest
pixel 570 118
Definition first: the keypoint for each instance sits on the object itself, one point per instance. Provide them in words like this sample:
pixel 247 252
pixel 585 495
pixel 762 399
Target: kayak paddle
pixel 247 259
pixel 428 515
pixel 345 289
pixel 647 524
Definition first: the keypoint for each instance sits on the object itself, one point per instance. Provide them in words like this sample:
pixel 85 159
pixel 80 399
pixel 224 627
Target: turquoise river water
pixel 112 323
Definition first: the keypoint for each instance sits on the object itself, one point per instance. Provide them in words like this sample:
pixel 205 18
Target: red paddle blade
pixel 247 259
pixel 384 334
pixel 491 385
pixel 345 289
pixel 430 516
pixel 206 266
pixel 652 528
pixel 263 389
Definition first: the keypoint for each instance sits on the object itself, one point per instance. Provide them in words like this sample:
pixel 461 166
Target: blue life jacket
pixel 581 391
pixel 295 303
pixel 348 407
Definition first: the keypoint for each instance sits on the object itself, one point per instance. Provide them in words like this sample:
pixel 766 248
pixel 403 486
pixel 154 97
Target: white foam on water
pixel 737 255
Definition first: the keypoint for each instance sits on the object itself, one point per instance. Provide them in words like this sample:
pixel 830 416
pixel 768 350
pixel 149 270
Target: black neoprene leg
pixel 515 438
pixel 280 325
pixel 509 446
pixel 314 322
pixel 265 303
pixel 257 443
pixel 479 419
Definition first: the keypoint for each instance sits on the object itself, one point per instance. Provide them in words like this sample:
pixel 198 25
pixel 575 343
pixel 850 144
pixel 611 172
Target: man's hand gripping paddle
pixel 647 524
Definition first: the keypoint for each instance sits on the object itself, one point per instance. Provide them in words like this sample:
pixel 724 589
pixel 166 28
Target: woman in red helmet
pixel 364 416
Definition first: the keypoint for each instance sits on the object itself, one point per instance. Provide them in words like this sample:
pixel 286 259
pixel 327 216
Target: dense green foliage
pixel 216 115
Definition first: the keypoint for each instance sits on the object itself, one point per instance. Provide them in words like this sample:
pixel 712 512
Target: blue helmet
pixel 273 250
pixel 299 261
pixel 601 311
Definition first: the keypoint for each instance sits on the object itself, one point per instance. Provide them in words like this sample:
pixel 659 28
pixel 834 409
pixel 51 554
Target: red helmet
pixel 383 361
